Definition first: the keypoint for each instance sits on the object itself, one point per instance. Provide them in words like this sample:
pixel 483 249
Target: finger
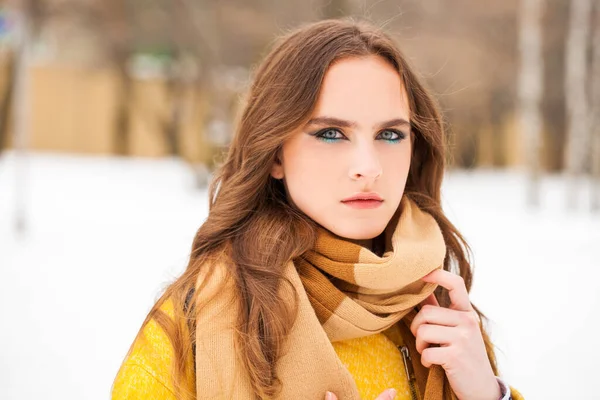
pixel 435 315
pixel 388 394
pixel 330 396
pixel 435 356
pixel 434 334
pixel 459 297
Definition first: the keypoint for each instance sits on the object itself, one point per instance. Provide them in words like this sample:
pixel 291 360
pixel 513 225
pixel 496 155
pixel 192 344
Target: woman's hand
pixel 388 394
pixel 456 329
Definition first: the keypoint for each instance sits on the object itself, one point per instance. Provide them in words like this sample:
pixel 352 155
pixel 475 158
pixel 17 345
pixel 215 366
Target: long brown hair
pixel 250 218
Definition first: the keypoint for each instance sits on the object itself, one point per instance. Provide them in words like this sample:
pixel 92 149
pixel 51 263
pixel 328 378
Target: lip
pixel 363 204
pixel 364 196
pixel 364 201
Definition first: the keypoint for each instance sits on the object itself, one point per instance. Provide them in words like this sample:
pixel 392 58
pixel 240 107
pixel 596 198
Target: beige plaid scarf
pixel 345 291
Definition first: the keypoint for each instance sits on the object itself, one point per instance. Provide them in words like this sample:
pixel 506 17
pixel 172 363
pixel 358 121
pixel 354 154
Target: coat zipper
pixel 410 372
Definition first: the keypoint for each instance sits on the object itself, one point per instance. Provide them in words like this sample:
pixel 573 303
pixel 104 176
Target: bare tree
pixel 6 98
pixel 576 149
pixel 118 29
pixel 595 109
pixel 29 19
pixel 530 90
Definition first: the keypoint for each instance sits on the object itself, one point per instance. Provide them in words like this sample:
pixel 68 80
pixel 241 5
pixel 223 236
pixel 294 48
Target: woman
pixel 323 268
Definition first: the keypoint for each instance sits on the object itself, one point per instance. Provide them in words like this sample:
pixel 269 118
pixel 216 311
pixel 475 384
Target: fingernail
pixel 329 396
pixel 392 393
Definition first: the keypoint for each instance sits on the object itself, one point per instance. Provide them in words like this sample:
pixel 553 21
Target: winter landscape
pixel 103 236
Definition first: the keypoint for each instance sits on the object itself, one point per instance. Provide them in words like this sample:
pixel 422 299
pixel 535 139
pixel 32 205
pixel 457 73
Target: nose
pixel 365 163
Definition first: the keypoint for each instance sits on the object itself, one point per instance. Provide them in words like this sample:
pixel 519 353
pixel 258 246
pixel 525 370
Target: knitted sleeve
pixel 135 382
pixel 146 372
pixel 515 395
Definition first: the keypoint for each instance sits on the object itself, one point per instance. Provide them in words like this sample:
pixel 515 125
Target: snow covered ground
pixel 105 235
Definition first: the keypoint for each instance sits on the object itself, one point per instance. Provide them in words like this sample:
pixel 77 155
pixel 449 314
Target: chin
pixel 359 232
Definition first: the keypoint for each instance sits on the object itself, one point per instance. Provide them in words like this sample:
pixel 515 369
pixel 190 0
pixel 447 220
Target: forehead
pixel 365 89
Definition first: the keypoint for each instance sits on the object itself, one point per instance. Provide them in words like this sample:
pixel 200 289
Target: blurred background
pixel 114 113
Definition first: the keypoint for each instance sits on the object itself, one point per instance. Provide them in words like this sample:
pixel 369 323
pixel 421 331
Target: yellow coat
pixel 145 374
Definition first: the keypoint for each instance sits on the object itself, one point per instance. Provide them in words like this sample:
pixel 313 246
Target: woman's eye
pixel 329 134
pixel 333 135
pixel 393 136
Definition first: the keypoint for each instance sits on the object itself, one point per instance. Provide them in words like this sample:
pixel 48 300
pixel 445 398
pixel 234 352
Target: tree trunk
pixel 22 112
pixel 6 102
pixel 530 91
pixel 595 109
pixel 176 90
pixel 576 149
pixel 118 27
pixel 121 141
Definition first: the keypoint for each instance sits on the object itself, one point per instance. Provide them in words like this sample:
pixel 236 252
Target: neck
pixel 366 243
pixel 376 245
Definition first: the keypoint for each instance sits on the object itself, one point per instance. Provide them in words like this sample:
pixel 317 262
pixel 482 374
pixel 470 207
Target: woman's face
pixel 357 142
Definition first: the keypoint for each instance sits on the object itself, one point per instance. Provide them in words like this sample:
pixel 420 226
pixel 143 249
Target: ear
pixel 277 168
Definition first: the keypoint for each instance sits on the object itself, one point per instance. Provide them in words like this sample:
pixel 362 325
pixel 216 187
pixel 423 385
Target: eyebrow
pixel 351 124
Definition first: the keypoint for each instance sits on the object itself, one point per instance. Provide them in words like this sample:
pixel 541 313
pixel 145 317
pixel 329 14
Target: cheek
pixel 396 163
pixel 311 178
pixel 308 175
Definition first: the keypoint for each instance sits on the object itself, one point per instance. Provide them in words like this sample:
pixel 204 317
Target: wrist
pixel 493 390
pixel 496 393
